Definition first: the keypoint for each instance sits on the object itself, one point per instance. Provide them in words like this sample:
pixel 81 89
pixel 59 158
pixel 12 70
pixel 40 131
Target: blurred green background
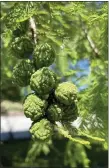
pixel 78 32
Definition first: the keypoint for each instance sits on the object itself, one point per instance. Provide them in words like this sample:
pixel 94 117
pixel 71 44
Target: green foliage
pixel 96 111
pixel 41 146
pixel 76 154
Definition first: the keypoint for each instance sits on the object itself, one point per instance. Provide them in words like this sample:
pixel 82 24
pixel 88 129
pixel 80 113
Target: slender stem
pixel 91 43
pixel 67 135
pixel 32 27
pixel 91 137
pixel 94 48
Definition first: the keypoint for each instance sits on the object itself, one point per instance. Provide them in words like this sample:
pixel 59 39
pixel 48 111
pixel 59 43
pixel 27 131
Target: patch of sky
pixel 31 57
pixel 83 70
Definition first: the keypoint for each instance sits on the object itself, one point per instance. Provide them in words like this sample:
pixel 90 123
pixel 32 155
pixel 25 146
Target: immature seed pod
pixel 43 81
pixel 22 47
pixel 70 113
pixel 54 112
pixel 43 55
pixel 42 130
pixel 34 107
pixel 66 93
pixel 22 72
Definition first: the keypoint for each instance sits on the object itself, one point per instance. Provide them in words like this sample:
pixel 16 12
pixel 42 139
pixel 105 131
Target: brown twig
pixel 91 43
pixel 32 27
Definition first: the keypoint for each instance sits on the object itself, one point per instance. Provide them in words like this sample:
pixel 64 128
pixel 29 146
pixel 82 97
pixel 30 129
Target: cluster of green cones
pixel 59 104
pixel 51 101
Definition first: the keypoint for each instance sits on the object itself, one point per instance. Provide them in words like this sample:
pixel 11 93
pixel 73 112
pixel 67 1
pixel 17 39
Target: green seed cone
pixel 22 73
pixel 54 112
pixel 66 93
pixel 43 81
pixel 18 13
pixel 42 130
pixel 22 29
pixel 22 47
pixel 70 113
pixel 34 107
pixel 43 55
